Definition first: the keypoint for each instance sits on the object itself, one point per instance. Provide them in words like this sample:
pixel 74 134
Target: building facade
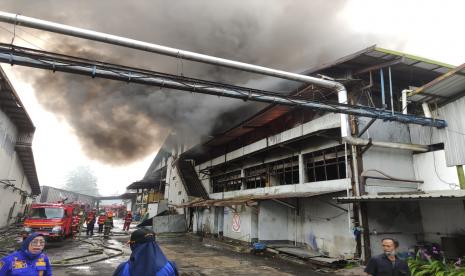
pixel 293 176
pixel 18 177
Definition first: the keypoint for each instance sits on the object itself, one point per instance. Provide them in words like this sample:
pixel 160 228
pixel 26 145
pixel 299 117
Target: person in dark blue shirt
pixel 388 263
pixel 29 260
pixel 146 259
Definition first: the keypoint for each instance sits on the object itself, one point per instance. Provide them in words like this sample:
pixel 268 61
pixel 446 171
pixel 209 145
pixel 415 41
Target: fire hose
pixel 65 262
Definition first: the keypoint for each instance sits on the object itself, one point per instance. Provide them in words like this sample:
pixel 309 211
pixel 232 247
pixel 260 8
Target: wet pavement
pixel 190 255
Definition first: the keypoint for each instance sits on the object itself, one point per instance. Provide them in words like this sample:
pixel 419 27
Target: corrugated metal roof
pixel 404 66
pixel 443 88
pixel 12 105
pixel 453 136
pixel 436 195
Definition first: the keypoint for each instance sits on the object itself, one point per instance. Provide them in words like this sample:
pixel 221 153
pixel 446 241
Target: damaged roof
pixel 375 58
pixel 443 88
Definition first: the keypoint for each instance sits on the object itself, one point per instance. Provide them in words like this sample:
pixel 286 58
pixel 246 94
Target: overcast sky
pixel 291 35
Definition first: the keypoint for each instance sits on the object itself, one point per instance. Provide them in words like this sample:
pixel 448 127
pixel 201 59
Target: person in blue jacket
pixel 146 259
pixel 29 260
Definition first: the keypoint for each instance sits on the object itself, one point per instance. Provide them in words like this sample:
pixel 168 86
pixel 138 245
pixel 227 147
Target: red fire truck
pixel 53 220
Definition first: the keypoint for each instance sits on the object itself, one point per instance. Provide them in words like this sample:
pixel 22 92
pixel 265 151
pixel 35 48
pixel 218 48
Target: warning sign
pixel 236 223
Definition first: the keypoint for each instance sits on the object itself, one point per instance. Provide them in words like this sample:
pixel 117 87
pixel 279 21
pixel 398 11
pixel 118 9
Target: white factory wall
pixel 10 169
pixel 394 162
pixel 174 189
pixel 431 168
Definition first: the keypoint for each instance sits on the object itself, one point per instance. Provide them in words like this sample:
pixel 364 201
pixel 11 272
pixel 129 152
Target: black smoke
pixel 119 123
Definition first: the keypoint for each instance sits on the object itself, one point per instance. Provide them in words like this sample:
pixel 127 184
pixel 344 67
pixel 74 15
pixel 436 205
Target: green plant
pixel 428 267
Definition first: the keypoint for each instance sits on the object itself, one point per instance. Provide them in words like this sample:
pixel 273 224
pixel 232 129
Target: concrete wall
pixel 245 215
pixel 174 189
pixel 10 169
pixel 442 218
pixel 203 221
pixel 431 168
pixel 326 121
pixel 312 187
pixel 169 224
pixel 325 228
pixel 273 222
pixel 399 220
pixel 397 163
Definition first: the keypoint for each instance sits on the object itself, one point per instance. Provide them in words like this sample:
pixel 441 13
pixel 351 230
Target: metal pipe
pixel 159 49
pixel 393 179
pixel 404 101
pixel 357 193
pixel 363 142
pixel 54 62
pixel 366 127
pixel 390 89
pixel 426 110
pixel 383 100
pixel 387 176
pixel 364 177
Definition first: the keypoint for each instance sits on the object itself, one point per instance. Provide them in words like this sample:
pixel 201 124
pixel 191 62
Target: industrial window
pixel 285 171
pixel 227 182
pixel 328 164
pixel 256 177
pixel 281 172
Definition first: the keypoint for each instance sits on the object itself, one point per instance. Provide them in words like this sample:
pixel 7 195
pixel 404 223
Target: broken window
pixel 256 177
pixel 284 172
pixel 281 172
pixel 227 182
pixel 327 164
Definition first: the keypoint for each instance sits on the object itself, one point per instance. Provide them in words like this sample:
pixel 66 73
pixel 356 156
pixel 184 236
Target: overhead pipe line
pixel 44 25
pixel 61 63
pixel 182 54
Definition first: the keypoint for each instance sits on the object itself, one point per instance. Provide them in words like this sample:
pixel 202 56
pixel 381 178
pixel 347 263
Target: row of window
pixel 328 164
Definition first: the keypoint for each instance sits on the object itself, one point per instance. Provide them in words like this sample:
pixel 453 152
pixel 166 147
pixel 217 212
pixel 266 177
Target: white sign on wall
pixel 236 223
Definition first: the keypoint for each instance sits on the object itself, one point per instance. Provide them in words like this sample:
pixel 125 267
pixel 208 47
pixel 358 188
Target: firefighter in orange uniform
pixel 90 223
pixel 101 222
pixel 76 224
pixel 127 221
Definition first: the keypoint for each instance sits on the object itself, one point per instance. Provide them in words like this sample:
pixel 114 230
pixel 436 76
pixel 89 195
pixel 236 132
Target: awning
pixel 143 185
pixel 413 196
pixel 251 199
pixel 443 88
pixel 123 196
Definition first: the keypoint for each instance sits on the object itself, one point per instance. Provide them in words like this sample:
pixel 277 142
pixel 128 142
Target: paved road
pixel 191 256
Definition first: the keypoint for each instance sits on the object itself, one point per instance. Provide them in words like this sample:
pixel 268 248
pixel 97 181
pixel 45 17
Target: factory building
pixel 291 178
pixel 18 176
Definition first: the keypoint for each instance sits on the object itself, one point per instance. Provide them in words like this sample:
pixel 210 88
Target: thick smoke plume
pixel 117 122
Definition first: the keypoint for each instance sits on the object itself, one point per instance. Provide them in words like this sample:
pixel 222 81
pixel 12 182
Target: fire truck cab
pixel 53 220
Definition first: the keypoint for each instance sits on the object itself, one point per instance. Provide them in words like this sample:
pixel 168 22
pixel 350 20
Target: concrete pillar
pixel 301 169
pixel 243 186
